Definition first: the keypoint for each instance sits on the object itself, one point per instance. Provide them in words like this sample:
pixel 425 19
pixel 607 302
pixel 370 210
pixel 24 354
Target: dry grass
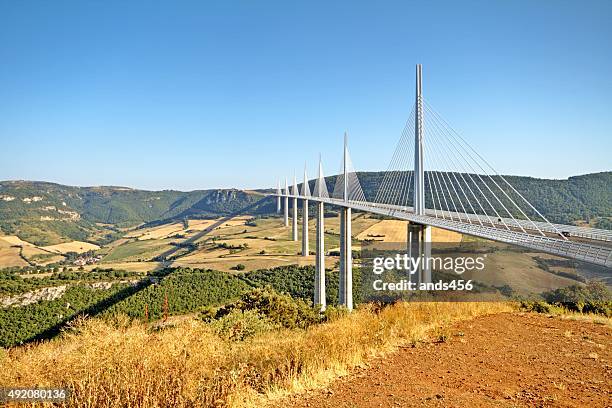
pixel 73 246
pixel 520 271
pixel 396 230
pixel 15 240
pixel 10 257
pixel 188 366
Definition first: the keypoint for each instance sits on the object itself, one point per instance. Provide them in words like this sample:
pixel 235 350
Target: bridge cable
pixel 396 186
pixel 438 155
pixel 385 192
pixel 491 191
pixel 453 132
pixel 449 159
pixel 485 184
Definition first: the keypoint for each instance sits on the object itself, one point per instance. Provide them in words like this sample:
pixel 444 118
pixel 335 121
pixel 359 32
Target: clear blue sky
pixel 196 94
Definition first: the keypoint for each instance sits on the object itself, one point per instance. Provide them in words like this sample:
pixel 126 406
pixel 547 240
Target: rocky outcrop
pixel 24 299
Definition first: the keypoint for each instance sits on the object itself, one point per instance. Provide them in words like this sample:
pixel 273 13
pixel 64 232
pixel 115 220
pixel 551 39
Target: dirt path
pixel 507 360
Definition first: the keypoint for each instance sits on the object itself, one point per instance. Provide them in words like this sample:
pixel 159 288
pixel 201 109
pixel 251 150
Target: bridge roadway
pixel 595 254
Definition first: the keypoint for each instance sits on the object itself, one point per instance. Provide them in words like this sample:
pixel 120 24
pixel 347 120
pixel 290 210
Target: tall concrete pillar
pixel 305 250
pixel 319 291
pixel 278 198
pixel 419 246
pixel 286 215
pixel 294 229
pixel 346 259
pixel 286 197
pixel 419 169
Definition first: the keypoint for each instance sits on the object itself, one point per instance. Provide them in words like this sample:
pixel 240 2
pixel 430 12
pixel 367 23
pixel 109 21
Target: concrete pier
pixel 319 291
pixel 278 199
pixel 346 259
pixel 419 246
pixel 294 229
pixel 286 215
pixel 305 250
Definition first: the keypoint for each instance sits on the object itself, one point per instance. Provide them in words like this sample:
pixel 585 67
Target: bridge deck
pixel 587 252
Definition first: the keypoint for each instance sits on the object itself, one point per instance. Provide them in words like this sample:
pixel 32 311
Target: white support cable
pixel 401 177
pixel 495 171
pixel 433 178
pixel 493 194
pixel 450 213
pixel 442 151
pixel 437 156
pixel 356 192
pixel 395 178
pixel 479 189
pixel 446 186
pixel 409 175
pixel 433 200
pixel 445 123
pixel 383 187
pixel 429 149
pixel 401 192
pixel 407 168
pixel 453 173
pixel 390 193
pixel 444 192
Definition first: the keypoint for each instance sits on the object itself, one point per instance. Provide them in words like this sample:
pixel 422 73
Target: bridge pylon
pixel 320 191
pixel 419 235
pixel 286 214
pixel 346 251
pixel 294 229
pixel 278 198
pixel 305 194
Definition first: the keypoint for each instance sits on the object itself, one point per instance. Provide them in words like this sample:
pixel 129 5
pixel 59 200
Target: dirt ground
pixel 506 360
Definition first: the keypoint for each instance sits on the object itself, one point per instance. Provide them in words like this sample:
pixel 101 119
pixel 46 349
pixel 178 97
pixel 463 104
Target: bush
pixel 594 297
pixel 536 306
pixel 279 309
pixel 239 325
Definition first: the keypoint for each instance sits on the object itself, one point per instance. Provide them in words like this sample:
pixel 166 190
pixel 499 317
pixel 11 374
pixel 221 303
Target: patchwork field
pixel 40 256
pixel 136 250
pixel 180 229
pixel 243 244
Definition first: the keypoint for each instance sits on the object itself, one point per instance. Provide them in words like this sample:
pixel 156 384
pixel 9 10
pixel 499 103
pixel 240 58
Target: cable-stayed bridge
pixel 435 178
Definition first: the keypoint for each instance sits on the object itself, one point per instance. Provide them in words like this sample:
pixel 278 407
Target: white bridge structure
pixel 437 179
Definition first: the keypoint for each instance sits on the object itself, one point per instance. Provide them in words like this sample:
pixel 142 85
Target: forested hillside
pixel 580 198
pixel 46 213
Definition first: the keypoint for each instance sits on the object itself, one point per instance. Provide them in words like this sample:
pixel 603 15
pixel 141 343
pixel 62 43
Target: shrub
pixel 536 306
pixel 239 325
pixel 594 297
pixel 279 309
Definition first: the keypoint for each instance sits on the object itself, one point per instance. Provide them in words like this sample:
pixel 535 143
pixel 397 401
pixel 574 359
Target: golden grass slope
pixel 188 366
pixel 9 256
pixel 15 240
pixel 73 246
pixel 396 230
pixel 168 230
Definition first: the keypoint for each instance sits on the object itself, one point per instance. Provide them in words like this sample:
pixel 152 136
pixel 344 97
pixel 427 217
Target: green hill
pixel 47 213
pixel 585 198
